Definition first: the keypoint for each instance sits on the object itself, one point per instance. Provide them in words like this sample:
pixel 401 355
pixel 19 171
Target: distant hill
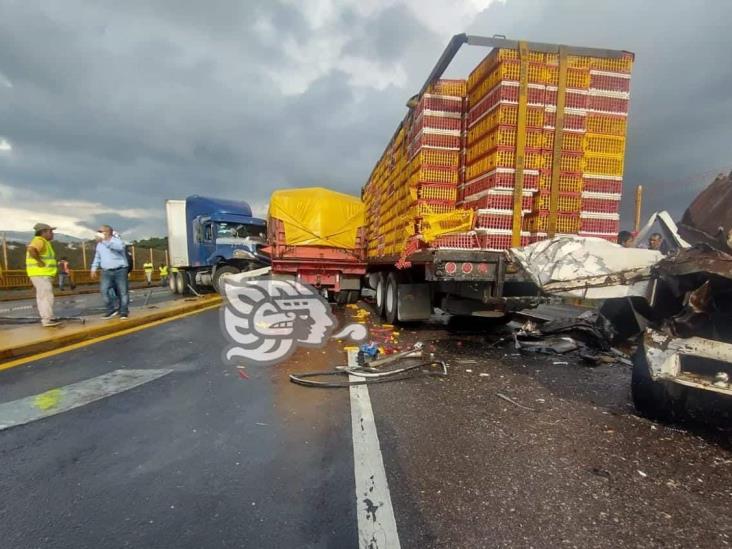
pixel 25 236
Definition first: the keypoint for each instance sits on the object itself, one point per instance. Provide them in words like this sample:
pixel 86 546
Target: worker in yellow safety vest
pixel 148 267
pixel 41 268
pixel 163 275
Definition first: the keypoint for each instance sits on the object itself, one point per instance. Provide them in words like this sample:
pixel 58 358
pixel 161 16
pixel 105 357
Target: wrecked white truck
pixel 678 306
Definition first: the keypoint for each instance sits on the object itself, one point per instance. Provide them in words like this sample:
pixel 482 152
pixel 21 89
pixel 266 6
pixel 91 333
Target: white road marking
pixel 376 523
pixel 63 399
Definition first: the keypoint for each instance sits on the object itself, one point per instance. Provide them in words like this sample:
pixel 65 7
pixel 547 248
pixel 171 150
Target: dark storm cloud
pixel 130 103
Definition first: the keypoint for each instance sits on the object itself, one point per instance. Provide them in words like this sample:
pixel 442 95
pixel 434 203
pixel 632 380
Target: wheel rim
pixel 180 284
pixel 171 284
pixel 380 294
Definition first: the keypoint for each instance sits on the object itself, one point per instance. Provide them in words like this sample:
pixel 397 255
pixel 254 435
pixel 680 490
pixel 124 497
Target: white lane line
pixel 63 399
pixel 376 523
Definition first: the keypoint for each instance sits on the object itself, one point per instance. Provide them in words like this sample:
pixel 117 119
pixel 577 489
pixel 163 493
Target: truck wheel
pixel 222 272
pixel 651 398
pixel 390 299
pixel 172 286
pixel 180 283
pixel 380 294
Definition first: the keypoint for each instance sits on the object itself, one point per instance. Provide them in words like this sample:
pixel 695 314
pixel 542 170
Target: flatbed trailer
pixel 476 282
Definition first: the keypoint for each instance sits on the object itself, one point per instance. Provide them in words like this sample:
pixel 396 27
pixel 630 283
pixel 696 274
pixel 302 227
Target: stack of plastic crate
pixel 604 146
pixel 574 126
pixel 490 149
pixel 435 145
pixel 418 172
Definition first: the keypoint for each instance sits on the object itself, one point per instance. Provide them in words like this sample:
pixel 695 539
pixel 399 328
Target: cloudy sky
pixel 107 108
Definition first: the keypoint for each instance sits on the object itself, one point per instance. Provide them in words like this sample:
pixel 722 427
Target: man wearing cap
pixel 40 265
pixel 111 257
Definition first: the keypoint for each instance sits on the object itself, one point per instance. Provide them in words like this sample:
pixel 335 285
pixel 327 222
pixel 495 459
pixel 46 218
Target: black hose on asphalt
pixel 370 378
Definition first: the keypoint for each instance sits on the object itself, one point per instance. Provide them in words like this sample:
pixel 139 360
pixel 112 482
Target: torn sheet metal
pixel 587 267
pixel 666 227
pixel 664 354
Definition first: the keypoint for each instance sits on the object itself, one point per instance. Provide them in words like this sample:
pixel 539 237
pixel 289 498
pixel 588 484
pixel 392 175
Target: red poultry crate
pixel 593 204
pixel 608 81
pixel 573 99
pixel 495 221
pixel 600 185
pixel 599 225
pixel 439 103
pixel 599 102
pixel 450 142
pixel 508 92
pixel 498 201
pixel 494 241
pixel 498 179
pixel 437 124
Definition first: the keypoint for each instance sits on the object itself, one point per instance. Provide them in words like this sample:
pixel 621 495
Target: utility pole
pixel 132 267
pixel 83 255
pixel 151 256
pixel 166 257
pixel 5 251
pixel 638 207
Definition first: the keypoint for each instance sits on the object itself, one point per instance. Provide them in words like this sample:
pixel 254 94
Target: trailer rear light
pixel 482 268
pixel 467 268
pixel 450 267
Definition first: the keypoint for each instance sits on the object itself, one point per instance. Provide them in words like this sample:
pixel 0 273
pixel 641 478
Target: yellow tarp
pixel 315 216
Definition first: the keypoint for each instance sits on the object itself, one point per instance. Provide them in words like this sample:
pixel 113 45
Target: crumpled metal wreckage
pixel 680 305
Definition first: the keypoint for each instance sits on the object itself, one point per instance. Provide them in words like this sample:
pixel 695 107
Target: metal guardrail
pixel 17 279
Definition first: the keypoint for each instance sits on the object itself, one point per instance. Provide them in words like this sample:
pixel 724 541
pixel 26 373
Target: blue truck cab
pixel 210 237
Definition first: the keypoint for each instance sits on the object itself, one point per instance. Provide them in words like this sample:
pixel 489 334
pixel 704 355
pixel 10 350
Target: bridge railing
pixel 17 279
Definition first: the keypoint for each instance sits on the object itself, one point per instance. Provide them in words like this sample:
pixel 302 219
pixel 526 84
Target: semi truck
pixel 209 238
pixel 317 236
pixel 529 146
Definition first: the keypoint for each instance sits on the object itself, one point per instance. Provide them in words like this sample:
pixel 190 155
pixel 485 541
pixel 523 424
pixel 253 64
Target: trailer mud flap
pixel 415 302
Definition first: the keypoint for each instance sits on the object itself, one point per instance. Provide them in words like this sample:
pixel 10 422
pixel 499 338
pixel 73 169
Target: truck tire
pixel 380 294
pixel 180 283
pixel 391 298
pixel 650 398
pixel 353 296
pixel 172 286
pixel 221 272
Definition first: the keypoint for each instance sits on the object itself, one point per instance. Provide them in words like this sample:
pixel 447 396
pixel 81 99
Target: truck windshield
pixel 239 230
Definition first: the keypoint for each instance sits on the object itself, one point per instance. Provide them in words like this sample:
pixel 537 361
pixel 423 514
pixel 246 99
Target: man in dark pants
pixel 111 257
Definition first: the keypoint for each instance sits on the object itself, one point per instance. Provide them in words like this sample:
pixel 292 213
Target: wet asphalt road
pixel 78 305
pixel 205 458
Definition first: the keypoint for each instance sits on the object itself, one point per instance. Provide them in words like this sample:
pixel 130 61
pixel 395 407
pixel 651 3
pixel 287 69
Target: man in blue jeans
pixel 110 256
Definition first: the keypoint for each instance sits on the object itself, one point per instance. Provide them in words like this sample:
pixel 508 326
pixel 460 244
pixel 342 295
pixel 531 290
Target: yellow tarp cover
pixel 315 216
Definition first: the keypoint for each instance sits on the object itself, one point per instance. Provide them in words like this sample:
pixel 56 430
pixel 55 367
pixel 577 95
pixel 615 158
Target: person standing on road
pixel 64 274
pixel 41 268
pixel 163 275
pixel 148 267
pixel 111 257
